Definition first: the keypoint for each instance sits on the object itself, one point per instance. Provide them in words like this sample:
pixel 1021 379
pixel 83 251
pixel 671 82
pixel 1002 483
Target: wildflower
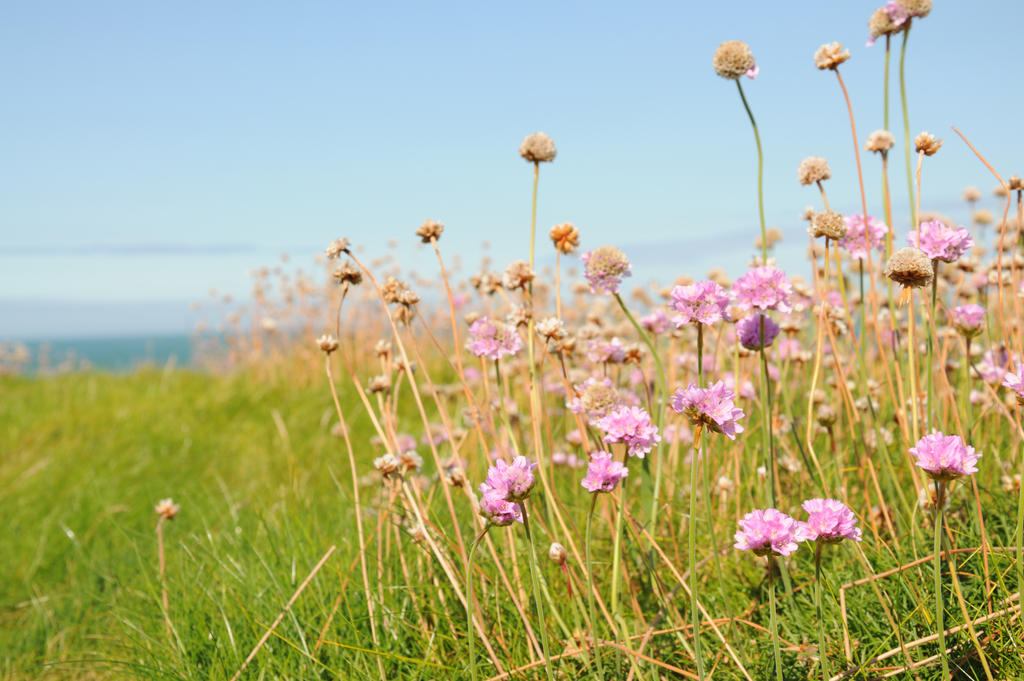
pixel 968 319
pixel 387 465
pixel 517 275
pixel 493 339
pixel 940 241
pixel 764 288
pixel 733 59
pixel 880 141
pixel 829 521
pixel 631 425
pixel 604 268
pixel 915 8
pixel 430 230
pixel 597 397
pixel 603 473
pixel 1014 380
pixel 710 407
pixel 704 303
pixel 538 148
pixel 551 328
pixel 379 384
pixel 853 242
pixel 925 142
pixel 557 553
pixel 881 23
pixel 498 511
pixel 750 331
pixel 830 56
pixel 945 457
pixel 337 247
pixel 1015 183
pixel 768 531
pixel 510 482
pixel 327 343
pixel 910 267
pixel 829 224
pixel 565 237
pixel 167 509
pixel 813 169
pixel 656 322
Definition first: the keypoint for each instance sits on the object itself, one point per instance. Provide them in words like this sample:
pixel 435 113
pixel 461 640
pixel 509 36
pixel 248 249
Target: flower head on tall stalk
pixel 910 267
pixel 603 473
pixel 1014 380
pixel 945 457
pixel 604 268
pixel 704 302
pixel 939 241
pixel 886 21
pixel 829 521
pixel 710 408
pixel 733 59
pixel 968 319
pixel 853 241
pixel 757 331
pixel 493 339
pixel 768 531
pixel 538 148
pixel 631 425
pixel 763 288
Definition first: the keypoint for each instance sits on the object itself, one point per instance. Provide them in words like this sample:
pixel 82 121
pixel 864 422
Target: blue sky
pixel 155 150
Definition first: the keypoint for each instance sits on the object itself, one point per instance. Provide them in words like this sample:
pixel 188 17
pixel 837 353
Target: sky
pixel 153 151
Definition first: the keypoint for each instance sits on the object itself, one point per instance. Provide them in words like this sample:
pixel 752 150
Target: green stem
pixel 692 555
pixel 617 546
pixel 590 589
pixel 906 125
pixel 822 650
pixel 657 407
pixel 1020 532
pixel 931 345
pixel 939 610
pixel 469 601
pixel 760 174
pixel 767 442
pixel 774 623
pixel 535 579
pixel 501 407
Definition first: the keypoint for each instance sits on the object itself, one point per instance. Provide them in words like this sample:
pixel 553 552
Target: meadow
pixel 559 472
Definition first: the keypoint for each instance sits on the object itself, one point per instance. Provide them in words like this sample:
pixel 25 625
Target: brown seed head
pixel 972 194
pixel 565 237
pixel 732 59
pixel 167 509
pixel 336 247
pixel 880 141
pixel 347 273
pixel 813 169
pixel 983 216
pixel 517 275
pixel 916 8
pixel 1015 183
pixel 881 24
pixel 999 191
pixel 830 56
pixel 910 268
pixel 926 142
pixel 430 229
pixel 828 223
pixel 327 343
pixel 538 148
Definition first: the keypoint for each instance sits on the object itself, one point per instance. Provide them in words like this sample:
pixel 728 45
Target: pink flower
pixel 603 473
pixel 498 511
pixel 711 407
pixel 941 242
pixel 604 268
pixel 493 339
pixel 602 351
pixel 968 319
pixel 765 288
pixel 994 363
pixel 1014 380
pixel 829 521
pixel 853 242
pixel 656 322
pixel 752 72
pixel 631 425
pixel 703 303
pixel 945 457
pixel 766 531
pixel 749 331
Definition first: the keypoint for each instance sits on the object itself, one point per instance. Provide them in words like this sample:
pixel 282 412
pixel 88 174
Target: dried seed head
pixel 983 216
pixel 830 56
pixel 813 169
pixel 881 23
pixel 517 275
pixel 828 223
pixel 565 237
pixel 347 273
pixel 880 141
pixel 826 416
pixel 167 509
pixel 916 8
pixel 732 59
pixel 926 143
pixel 336 247
pixel 551 328
pixel 382 348
pixel 910 267
pixel 387 465
pixel 379 384
pixel 430 229
pixel 538 148
pixel 557 553
pixel 999 191
pixel 972 194
pixel 327 343
pixel 1015 183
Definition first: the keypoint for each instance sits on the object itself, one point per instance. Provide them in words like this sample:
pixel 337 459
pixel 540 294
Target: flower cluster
pixel 768 531
pixel 709 407
pixel 703 302
pixel 939 241
pixel 968 319
pixel 829 521
pixel 945 457
pixel 750 331
pixel 505 486
pixel 603 473
pixel 605 268
pixel 493 339
pixel 856 226
pixel 631 425
pixel 764 288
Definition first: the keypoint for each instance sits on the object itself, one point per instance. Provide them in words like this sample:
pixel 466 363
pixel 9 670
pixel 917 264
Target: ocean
pixel 120 353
